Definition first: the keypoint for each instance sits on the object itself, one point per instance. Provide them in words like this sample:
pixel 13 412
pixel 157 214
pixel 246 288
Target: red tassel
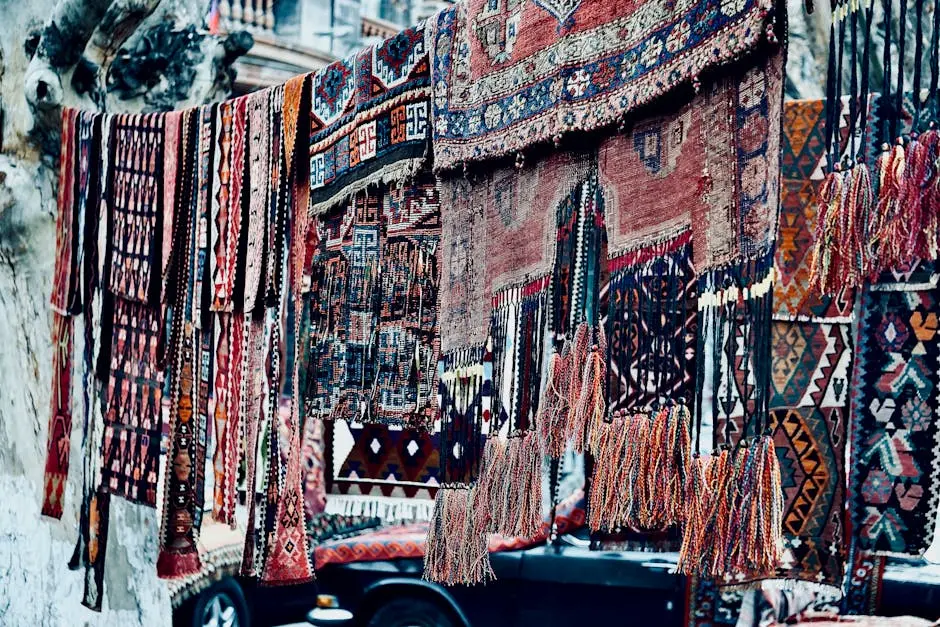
pixel 578 358
pixel 606 493
pixel 698 497
pixel 825 253
pixel 855 242
pixel 487 498
pixel 931 201
pixel 552 416
pixel 171 565
pixel 455 549
pixel 891 238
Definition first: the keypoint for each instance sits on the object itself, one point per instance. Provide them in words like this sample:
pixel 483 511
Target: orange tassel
pixel 698 496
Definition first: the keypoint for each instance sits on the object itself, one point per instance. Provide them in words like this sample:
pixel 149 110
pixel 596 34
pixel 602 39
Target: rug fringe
pixel 456 551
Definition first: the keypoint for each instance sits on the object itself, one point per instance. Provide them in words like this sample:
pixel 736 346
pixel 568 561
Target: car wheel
pixel 410 612
pixel 221 605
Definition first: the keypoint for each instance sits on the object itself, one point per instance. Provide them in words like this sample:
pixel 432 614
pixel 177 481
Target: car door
pixel 564 584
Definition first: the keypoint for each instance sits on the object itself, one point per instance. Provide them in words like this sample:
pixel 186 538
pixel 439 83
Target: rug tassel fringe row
pixel 456 550
pixel 735 513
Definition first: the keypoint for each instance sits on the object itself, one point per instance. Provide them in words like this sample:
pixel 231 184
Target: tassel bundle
pixel 588 405
pixel 488 501
pixel 735 521
pixel 552 417
pixel 825 264
pixel 456 550
pixel 641 470
pixel 515 488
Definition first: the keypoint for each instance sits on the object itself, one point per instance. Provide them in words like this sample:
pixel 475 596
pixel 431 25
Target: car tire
pixel 220 605
pixel 411 612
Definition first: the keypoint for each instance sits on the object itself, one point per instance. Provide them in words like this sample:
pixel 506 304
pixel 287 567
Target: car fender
pixel 375 593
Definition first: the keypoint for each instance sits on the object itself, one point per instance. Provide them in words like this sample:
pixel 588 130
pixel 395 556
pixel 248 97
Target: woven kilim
pixel 136 181
pixel 508 74
pixel 179 554
pixel 64 277
pixel 895 478
pixel 804 162
pixel 382 470
pixel 131 448
pixel 369 120
pixel 171 149
pixel 811 369
pixel 59 435
pixel 229 169
pixel 373 319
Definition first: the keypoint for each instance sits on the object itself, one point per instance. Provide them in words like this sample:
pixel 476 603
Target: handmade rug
pixel 131 448
pixel 259 155
pixel 804 162
pixel 90 546
pixel 382 470
pixel 136 204
pixel 314 468
pixel 812 364
pixel 81 231
pixel 226 212
pixel 369 121
pixel 59 435
pixel 179 553
pixel 510 74
pixel 373 316
pixel 65 295
pixel 895 480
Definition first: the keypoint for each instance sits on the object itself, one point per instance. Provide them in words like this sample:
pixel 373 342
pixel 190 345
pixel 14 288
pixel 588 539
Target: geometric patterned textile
pixel 809 413
pixel 60 420
pixel 369 119
pixel 508 74
pixel 409 541
pixel 803 165
pixel 383 463
pixel 895 478
pixel 65 277
pixel 131 447
pixel 373 318
pixel 136 185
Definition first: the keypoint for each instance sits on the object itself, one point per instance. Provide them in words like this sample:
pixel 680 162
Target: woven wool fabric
pixel 803 165
pixel 259 146
pixel 314 468
pixel 131 448
pixel 382 471
pixel 650 317
pixel 895 479
pixel 732 334
pixel 84 268
pixel 136 204
pixel 229 168
pixel 60 418
pixel 499 233
pixel 369 120
pixel 373 318
pixel 508 73
pixel 812 365
pixel 171 147
pixel 64 283
pixel 179 554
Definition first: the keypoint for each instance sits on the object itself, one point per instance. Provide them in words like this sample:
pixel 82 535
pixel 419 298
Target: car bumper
pixel 329 617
